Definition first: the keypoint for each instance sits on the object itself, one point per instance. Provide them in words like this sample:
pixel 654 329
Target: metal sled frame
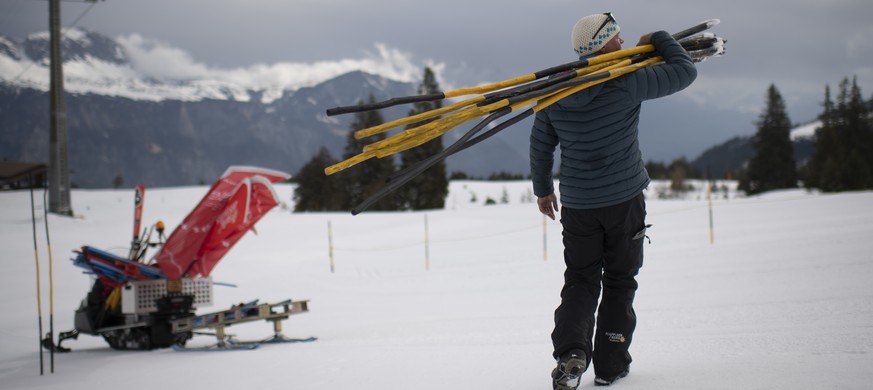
pixel 271 312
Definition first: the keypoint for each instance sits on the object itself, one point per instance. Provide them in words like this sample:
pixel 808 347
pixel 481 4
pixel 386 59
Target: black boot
pixel 598 381
pixel 570 367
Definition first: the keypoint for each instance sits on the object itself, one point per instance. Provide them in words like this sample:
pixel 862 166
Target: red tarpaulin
pixel 231 207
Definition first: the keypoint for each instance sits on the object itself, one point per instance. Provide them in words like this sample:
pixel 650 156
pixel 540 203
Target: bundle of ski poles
pixel 535 90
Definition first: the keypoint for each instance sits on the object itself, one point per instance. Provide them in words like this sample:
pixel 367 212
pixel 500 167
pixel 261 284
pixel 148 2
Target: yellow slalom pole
pixel 613 73
pixel 421 138
pixel 450 121
pixel 549 95
pixel 493 86
pixel 416 118
pixel 464 103
pixel 616 69
pixel 409 138
pixel 408 134
pixel 417 136
pixel 599 64
pixel 552 97
pixel 352 161
pixel 438 128
pixel 533 76
pixel 621 54
pixel 398 142
pixel 51 285
pixel 598 67
pixel 38 297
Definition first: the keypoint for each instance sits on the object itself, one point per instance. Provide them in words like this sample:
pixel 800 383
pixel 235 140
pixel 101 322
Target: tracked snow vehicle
pixel 143 303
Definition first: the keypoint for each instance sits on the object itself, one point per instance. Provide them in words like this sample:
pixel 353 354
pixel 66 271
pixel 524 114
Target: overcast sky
pixel 799 45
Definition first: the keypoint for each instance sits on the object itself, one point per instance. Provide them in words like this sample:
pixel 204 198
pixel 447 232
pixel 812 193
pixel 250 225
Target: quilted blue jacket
pixel 596 128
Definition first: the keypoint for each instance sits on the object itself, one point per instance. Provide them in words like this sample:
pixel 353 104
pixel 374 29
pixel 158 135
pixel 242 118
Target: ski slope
pixel 782 299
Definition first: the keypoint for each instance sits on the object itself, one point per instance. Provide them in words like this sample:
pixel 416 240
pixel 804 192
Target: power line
pixel 63 33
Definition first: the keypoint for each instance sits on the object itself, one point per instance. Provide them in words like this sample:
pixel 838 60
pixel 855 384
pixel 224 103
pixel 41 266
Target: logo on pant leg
pixel 615 337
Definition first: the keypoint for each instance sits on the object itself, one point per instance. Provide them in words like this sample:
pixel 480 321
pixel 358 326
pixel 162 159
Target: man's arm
pixel 543 141
pixel 675 74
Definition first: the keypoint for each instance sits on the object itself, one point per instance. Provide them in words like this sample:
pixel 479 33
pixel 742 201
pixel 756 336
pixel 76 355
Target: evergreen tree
pixel 772 167
pixel 657 170
pixel 679 169
pixel 428 190
pixel 843 158
pixel 860 160
pixel 362 180
pixel 825 145
pixel 316 191
pixel 118 181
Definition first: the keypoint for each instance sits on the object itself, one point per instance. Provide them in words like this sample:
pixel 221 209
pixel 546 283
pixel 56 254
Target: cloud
pixel 732 94
pixel 160 60
pixel 164 62
pixel 747 94
pixel 859 44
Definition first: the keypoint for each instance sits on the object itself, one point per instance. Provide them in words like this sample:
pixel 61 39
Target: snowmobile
pixel 140 303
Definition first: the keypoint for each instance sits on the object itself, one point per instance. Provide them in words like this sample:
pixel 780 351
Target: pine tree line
pixel 346 189
pixel 843 157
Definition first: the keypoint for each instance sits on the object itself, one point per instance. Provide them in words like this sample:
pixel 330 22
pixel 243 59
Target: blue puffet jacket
pixel 601 162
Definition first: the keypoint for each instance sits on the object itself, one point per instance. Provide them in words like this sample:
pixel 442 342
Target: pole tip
pixel 710 23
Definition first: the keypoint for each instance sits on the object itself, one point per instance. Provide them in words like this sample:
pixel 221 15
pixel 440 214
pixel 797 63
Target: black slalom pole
pixel 385 104
pixel 700 27
pixel 36 256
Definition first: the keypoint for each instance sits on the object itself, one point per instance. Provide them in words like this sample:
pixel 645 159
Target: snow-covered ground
pixel 781 300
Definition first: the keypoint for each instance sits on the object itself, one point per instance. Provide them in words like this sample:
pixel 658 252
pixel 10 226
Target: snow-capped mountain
pixel 77 45
pixel 140 110
pixel 96 64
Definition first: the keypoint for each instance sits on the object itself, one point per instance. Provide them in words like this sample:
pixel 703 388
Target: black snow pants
pixel 602 247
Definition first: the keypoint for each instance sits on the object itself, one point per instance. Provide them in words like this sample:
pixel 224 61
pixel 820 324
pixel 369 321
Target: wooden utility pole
pixel 59 166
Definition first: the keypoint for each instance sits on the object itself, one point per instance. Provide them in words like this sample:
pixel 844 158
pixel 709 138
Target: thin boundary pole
pixel 545 240
pixel 330 245
pixel 36 257
pixel 51 285
pixel 426 246
pixel 709 200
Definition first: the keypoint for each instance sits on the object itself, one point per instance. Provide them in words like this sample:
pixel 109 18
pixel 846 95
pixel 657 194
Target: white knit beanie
pixel 586 39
